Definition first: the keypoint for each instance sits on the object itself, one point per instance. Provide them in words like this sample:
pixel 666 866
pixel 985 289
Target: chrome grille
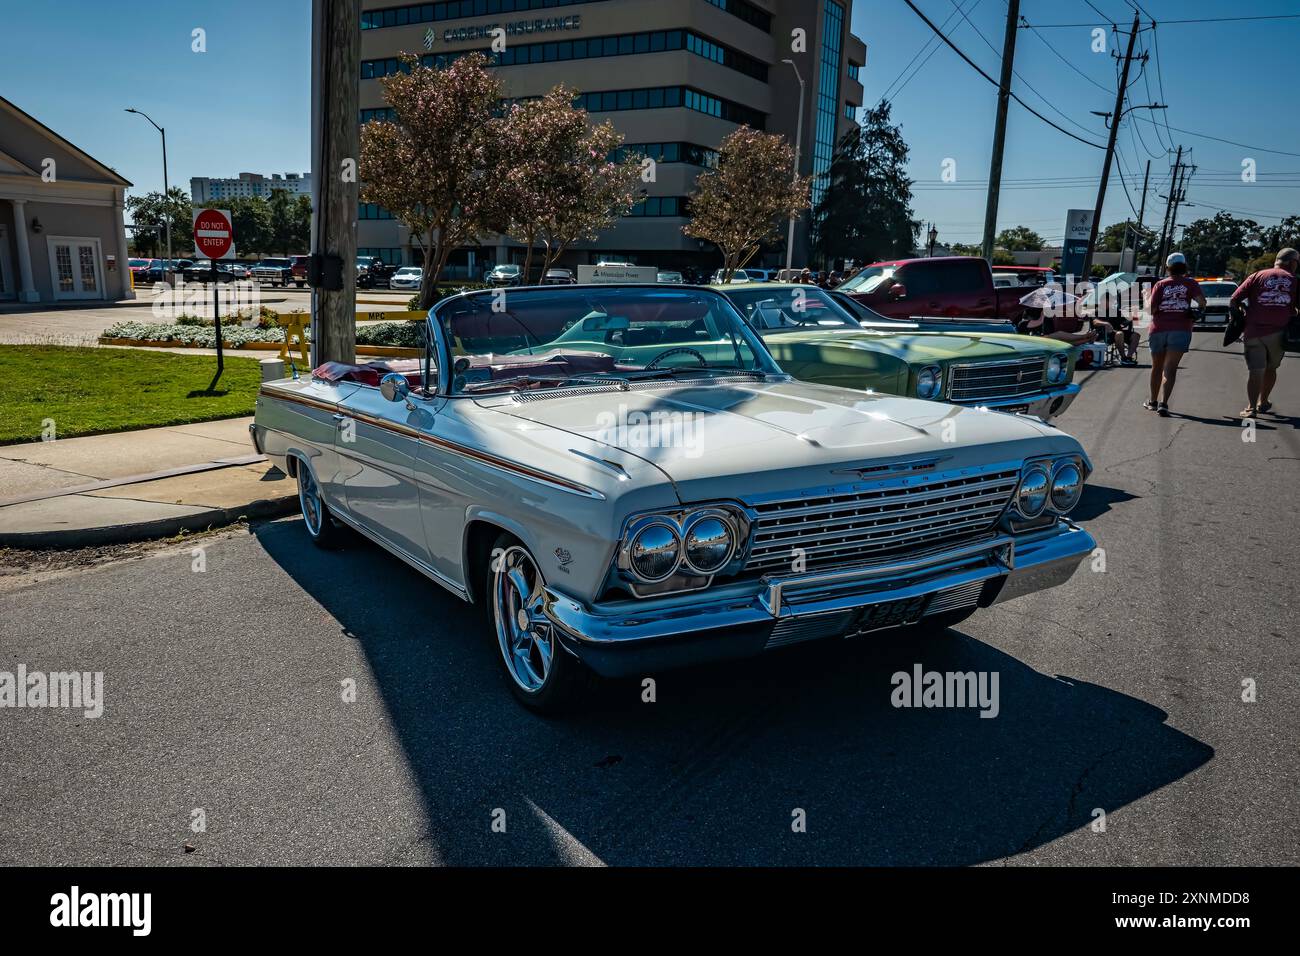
pixel 987 381
pixel 838 530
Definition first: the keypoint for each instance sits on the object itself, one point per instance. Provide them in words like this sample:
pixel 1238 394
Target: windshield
pixel 553 337
pixel 509 269
pixel 138 263
pixel 273 263
pixel 868 279
pixel 799 307
pixel 1218 290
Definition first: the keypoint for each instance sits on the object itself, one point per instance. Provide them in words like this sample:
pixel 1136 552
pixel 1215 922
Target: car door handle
pixel 340 418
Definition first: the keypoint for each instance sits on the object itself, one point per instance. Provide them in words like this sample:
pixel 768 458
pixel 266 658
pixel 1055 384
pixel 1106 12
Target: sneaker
pixel 1249 412
pixel 1265 407
pixel 1163 410
pixel 1150 406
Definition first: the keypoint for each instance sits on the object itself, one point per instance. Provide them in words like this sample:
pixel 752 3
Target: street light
pixel 167 219
pixel 798 147
pixel 932 235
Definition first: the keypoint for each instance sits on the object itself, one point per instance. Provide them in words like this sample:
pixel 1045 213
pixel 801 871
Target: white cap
pixel 1176 259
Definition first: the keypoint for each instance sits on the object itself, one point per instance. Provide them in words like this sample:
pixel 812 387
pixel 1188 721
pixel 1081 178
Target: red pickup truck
pixel 943 286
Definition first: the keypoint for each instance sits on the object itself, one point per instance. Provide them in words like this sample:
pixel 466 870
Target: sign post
pixel 214 238
pixel 1078 227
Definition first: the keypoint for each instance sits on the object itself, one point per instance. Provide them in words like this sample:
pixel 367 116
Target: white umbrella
pixel 1048 297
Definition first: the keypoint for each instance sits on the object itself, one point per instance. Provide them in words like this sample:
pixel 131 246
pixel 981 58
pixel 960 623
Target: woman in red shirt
pixel 1170 304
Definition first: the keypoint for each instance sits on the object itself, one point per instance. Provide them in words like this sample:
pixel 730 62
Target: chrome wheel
pixel 309 499
pixel 526 637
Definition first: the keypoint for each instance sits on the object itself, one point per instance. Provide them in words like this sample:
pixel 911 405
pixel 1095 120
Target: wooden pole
pixel 336 139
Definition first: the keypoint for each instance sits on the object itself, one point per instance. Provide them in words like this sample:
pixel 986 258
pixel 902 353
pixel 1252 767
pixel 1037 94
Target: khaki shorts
pixel 1265 352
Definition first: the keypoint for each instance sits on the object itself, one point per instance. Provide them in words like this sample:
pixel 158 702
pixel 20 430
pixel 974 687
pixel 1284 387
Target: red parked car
pixel 943 286
pixel 298 269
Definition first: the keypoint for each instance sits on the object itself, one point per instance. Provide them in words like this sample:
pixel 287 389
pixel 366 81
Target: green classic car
pixel 817 340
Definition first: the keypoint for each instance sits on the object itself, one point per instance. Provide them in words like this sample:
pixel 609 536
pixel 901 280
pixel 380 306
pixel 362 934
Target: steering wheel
pixel 679 350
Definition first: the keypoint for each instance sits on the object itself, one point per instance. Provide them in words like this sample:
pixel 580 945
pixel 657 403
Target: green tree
pixel 865 214
pixel 1019 239
pixel 155 209
pixel 743 203
pixel 290 221
pixel 1208 244
pixel 250 217
pixel 1283 235
pixel 1114 236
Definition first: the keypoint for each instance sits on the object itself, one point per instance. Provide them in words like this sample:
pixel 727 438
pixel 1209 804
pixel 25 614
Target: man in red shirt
pixel 1272 297
pixel 1170 304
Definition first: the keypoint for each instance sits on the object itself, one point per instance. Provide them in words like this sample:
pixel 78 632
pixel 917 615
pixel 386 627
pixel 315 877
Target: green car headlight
pixel 929 382
pixel 1031 496
pixel 1067 485
pixel 1058 367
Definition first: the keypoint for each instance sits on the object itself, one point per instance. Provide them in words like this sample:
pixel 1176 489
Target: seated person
pixel 1035 322
pixel 1126 339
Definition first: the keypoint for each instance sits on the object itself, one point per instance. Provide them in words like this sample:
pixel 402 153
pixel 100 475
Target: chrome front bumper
pixel 1044 406
pixel 739 620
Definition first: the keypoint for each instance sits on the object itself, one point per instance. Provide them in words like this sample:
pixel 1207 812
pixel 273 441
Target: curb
pixel 64 540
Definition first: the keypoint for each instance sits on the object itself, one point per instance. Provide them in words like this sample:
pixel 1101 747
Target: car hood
pixel 940 347
pixel 779 435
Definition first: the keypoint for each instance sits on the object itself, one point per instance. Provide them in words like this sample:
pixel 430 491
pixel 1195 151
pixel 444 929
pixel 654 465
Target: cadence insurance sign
pixel 516 28
pixel 214 237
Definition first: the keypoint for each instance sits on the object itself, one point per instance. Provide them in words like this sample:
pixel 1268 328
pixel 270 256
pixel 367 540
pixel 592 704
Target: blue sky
pixel 242 106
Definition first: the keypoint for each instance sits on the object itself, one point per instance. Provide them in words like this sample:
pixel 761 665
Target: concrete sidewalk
pixel 155 482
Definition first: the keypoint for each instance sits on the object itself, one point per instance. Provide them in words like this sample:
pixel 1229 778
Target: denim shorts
pixel 1169 342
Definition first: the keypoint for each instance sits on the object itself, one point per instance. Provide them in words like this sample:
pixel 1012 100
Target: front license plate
pixel 889 614
pixel 1016 409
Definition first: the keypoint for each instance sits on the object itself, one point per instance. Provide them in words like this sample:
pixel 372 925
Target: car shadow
pixel 1097 500
pixel 720 768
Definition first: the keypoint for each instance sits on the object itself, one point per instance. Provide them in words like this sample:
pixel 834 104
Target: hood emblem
pixel 564 557
pixel 896 468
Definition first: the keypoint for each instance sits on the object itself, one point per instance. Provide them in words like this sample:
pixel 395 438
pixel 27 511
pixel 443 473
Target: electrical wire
pixel 977 69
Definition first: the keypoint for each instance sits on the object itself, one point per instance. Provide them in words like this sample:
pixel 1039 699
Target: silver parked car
pixel 619 511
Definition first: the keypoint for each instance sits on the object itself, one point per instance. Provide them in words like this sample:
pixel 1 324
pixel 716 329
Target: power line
pixel 1220 139
pixel 975 66
pixel 1106 19
pixel 1101 86
pixel 930 45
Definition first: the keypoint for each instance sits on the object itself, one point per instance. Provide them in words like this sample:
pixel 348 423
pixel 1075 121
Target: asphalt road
pixel 1121 691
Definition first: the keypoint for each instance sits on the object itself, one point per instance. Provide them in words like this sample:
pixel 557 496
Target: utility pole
pixel 1179 196
pixel 1110 147
pixel 336 145
pixel 798 155
pixel 1169 203
pixel 1142 211
pixel 1000 128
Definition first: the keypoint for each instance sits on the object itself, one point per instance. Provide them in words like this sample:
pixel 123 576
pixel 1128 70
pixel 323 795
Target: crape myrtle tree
pixel 431 167
pixel 865 214
pixel 744 202
pixel 558 183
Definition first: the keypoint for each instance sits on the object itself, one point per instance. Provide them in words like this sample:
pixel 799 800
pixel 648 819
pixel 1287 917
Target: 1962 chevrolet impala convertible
pixel 815 338
pixel 617 515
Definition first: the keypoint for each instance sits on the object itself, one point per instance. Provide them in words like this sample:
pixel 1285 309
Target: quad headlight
pixel 655 552
pixel 1067 485
pixel 1058 369
pixel 1031 496
pixel 1048 486
pixel 696 543
pixel 929 382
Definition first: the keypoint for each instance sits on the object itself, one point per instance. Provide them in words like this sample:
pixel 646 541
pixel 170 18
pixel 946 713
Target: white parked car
pixel 670 278
pixel 407 277
pixel 618 512
pixel 1218 299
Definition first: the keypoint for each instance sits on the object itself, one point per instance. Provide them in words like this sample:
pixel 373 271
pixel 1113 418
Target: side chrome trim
pixel 429 572
pixel 493 461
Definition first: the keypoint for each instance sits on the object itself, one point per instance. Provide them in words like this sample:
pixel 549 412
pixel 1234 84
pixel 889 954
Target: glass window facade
pixel 371 210
pixel 628 44
pixel 670 97
pixel 691 154
pixel 456 10
pixel 828 97
pixel 746 11
pixel 389 255
pixel 659 206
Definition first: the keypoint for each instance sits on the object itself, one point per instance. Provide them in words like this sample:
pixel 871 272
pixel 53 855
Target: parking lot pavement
pixel 1121 700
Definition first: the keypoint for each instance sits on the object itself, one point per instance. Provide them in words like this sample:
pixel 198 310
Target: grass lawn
pixel 89 391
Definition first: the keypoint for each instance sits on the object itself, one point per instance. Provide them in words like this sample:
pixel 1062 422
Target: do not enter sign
pixel 214 237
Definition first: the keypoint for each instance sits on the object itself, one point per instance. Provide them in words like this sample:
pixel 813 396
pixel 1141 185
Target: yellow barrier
pixel 294 324
pixel 402 316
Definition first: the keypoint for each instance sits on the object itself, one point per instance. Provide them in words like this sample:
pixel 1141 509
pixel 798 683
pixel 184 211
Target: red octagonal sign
pixel 214 237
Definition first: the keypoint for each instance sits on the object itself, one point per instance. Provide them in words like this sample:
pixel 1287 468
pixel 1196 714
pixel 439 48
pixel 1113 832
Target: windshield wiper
pixel 653 373
pixel 523 381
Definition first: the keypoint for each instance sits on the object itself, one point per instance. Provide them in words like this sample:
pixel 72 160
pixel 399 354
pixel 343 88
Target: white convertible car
pixel 619 511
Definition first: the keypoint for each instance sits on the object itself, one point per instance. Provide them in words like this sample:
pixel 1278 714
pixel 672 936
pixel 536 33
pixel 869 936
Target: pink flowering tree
pixel 743 203
pixel 558 183
pixel 431 167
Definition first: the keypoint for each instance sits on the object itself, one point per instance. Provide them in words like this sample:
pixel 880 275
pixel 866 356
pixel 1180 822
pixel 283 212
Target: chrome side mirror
pixel 394 387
